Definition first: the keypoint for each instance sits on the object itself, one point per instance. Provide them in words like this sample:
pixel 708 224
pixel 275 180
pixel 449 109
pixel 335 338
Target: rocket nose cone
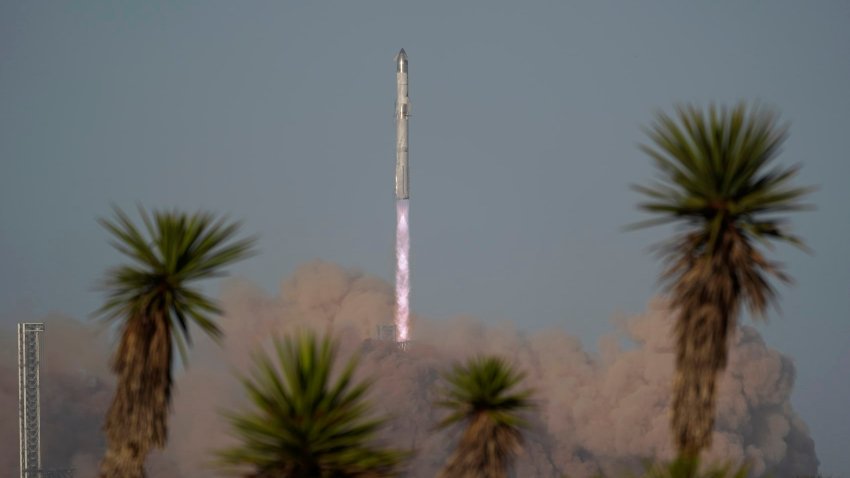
pixel 401 61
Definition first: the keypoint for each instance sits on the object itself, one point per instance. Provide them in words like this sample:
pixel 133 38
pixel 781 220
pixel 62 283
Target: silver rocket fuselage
pixel 402 112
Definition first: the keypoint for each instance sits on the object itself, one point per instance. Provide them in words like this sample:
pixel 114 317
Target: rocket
pixel 402 112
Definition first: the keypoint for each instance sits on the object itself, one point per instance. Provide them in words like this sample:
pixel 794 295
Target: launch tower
pixel 388 333
pixel 30 340
pixel 30 345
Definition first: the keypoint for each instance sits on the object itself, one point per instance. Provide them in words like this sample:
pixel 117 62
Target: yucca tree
pixel 718 182
pixel 308 419
pixel 686 468
pixel 482 395
pixel 153 299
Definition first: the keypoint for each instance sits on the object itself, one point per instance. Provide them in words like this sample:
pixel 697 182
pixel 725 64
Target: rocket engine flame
pixel 402 272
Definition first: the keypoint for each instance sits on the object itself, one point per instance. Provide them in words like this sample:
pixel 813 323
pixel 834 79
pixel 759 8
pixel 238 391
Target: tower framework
pixel 30 345
pixel 30 341
pixel 388 333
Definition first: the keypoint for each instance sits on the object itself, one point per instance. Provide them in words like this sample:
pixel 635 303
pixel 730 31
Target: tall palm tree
pixel 718 182
pixel 154 299
pixel 307 419
pixel 481 395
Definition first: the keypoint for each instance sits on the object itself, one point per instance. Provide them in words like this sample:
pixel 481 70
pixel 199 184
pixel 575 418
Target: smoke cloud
pixel 602 411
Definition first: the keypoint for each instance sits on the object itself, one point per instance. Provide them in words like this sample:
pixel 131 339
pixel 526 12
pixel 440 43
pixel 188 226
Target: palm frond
pixel 716 176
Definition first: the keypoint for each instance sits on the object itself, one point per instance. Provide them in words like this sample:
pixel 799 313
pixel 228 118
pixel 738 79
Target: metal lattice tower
pixel 387 333
pixel 30 345
pixel 30 340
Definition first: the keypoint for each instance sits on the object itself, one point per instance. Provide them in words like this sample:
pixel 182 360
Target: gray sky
pixel 525 120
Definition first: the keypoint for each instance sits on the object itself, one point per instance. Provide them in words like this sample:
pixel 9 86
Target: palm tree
pixel 718 183
pixel 479 394
pixel 691 468
pixel 307 420
pixel 154 300
pixel 687 468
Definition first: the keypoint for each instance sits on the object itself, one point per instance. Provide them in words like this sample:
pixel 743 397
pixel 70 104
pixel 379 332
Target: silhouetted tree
pixel 154 301
pixel 480 394
pixel 717 181
pixel 306 420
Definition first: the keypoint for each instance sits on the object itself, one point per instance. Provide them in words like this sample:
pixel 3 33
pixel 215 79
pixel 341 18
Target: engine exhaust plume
pixel 402 274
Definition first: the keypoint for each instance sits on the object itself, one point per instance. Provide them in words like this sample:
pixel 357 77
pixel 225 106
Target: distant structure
pixel 387 332
pixel 30 343
pixel 30 340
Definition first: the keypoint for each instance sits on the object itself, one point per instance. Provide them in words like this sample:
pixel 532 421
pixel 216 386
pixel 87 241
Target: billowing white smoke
pixel 597 412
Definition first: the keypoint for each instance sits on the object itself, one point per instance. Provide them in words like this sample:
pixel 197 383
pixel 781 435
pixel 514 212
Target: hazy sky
pixel 524 123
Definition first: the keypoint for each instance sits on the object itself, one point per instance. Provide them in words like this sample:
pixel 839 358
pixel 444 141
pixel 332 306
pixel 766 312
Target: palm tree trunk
pixel 693 410
pixel 485 451
pixel 137 419
pixel 707 298
pixel 123 460
pixel 702 333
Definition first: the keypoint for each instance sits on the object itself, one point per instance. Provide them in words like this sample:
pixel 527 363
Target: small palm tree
pixel 480 395
pixel 717 181
pixel 686 468
pixel 154 300
pixel 307 420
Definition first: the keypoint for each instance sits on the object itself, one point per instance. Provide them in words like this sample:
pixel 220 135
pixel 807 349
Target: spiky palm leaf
pixel 481 394
pixel 154 300
pixel 307 420
pixel 718 182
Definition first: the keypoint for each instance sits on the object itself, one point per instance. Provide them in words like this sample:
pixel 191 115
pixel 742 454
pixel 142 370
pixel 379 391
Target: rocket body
pixel 402 112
